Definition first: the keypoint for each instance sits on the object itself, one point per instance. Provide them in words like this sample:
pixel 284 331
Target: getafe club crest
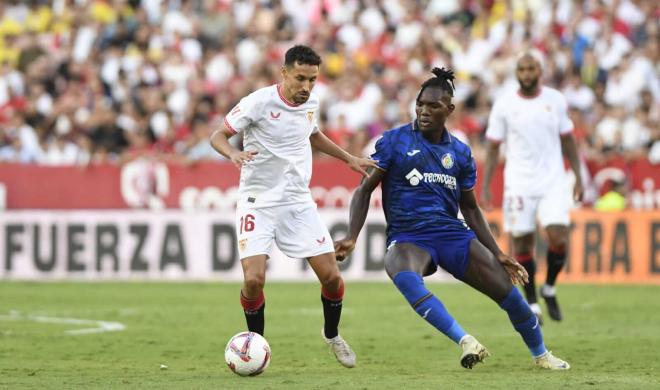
pixel 447 161
pixel 310 116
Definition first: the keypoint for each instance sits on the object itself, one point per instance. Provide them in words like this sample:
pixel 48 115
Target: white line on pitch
pixel 99 326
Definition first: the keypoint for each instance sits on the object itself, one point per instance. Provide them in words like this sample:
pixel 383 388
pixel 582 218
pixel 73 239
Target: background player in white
pixel 279 124
pixel 533 122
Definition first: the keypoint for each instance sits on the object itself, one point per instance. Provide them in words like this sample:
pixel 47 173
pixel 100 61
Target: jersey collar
pixel 446 137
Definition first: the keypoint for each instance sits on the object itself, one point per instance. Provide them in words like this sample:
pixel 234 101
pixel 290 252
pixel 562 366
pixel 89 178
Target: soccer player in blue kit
pixel 427 175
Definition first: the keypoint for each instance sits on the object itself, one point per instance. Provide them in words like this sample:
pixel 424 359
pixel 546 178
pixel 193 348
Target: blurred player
pixel 427 174
pixel 279 124
pixel 534 123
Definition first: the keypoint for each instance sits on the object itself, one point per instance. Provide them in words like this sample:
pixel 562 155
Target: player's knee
pixel 331 282
pixel 254 284
pixel 393 267
pixel 558 245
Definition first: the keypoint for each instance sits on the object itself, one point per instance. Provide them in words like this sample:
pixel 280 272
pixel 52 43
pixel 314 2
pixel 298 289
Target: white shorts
pixel 297 229
pixel 520 212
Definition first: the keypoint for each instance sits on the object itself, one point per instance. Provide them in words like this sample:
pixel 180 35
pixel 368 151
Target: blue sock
pixel 427 305
pixel 524 321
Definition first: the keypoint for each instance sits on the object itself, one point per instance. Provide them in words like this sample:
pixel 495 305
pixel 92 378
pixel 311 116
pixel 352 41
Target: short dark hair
pixel 444 79
pixel 301 54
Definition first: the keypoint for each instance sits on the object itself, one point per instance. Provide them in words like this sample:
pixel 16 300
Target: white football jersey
pixel 531 129
pixel 279 131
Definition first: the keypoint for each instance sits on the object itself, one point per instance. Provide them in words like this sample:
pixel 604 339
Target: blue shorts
pixel 449 249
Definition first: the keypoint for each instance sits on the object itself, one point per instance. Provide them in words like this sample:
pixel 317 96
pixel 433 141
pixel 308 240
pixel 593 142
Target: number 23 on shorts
pixel 514 203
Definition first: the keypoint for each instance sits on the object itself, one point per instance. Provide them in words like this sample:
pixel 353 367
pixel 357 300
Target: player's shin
pixel 556 260
pixel 524 321
pixel 427 305
pixel 332 304
pixel 254 312
pixel 527 261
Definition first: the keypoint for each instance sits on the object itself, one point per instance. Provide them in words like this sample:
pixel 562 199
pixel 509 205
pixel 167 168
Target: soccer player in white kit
pixel 280 126
pixel 533 122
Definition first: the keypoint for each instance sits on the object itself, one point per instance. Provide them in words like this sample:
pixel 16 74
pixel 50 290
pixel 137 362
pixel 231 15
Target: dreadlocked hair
pixel 444 79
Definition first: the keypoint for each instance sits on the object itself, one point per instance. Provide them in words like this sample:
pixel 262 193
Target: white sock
pixel 548 291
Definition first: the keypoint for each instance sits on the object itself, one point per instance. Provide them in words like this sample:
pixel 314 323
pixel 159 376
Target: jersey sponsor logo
pixel 447 161
pixel 413 152
pixel 414 177
pixel 275 116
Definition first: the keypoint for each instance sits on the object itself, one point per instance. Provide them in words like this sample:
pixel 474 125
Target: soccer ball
pixel 247 354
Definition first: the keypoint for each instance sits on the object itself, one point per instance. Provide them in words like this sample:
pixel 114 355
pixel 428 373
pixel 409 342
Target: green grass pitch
pixel 610 335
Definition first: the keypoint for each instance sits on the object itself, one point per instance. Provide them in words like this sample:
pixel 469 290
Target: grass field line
pixel 99 326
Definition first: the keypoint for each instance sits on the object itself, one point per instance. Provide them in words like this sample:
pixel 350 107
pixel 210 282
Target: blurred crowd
pixel 85 81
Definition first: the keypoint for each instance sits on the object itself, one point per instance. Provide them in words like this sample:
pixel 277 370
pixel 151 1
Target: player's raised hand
pixel 239 158
pixel 360 165
pixel 516 272
pixel 343 248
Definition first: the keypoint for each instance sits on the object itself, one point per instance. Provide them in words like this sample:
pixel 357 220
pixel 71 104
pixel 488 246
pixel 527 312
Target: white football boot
pixel 341 349
pixel 473 352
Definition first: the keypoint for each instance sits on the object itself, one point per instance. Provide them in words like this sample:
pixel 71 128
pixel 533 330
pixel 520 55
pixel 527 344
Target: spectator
pixel 107 78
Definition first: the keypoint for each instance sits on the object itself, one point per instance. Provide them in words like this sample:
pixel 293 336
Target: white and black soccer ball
pixel 247 354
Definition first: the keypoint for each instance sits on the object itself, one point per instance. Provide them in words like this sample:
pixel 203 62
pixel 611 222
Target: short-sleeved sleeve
pixel 468 176
pixel 565 122
pixel 496 124
pixel 242 115
pixel 315 122
pixel 384 151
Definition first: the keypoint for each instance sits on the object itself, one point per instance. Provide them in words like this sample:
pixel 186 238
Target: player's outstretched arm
pixel 320 142
pixel 358 212
pixel 569 149
pixel 220 142
pixel 491 162
pixel 477 222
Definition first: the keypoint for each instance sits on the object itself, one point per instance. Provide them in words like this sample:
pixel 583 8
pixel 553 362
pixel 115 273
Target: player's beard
pixel 300 98
pixel 529 87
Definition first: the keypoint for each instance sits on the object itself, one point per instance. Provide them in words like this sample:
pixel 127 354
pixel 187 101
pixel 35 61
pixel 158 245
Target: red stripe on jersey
pixel 231 129
pixel 284 99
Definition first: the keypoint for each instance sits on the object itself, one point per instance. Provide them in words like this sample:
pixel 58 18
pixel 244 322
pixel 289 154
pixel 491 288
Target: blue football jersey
pixel 423 181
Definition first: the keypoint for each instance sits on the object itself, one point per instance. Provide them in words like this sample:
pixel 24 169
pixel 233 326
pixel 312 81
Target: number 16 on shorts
pixel 246 223
pixel 254 231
